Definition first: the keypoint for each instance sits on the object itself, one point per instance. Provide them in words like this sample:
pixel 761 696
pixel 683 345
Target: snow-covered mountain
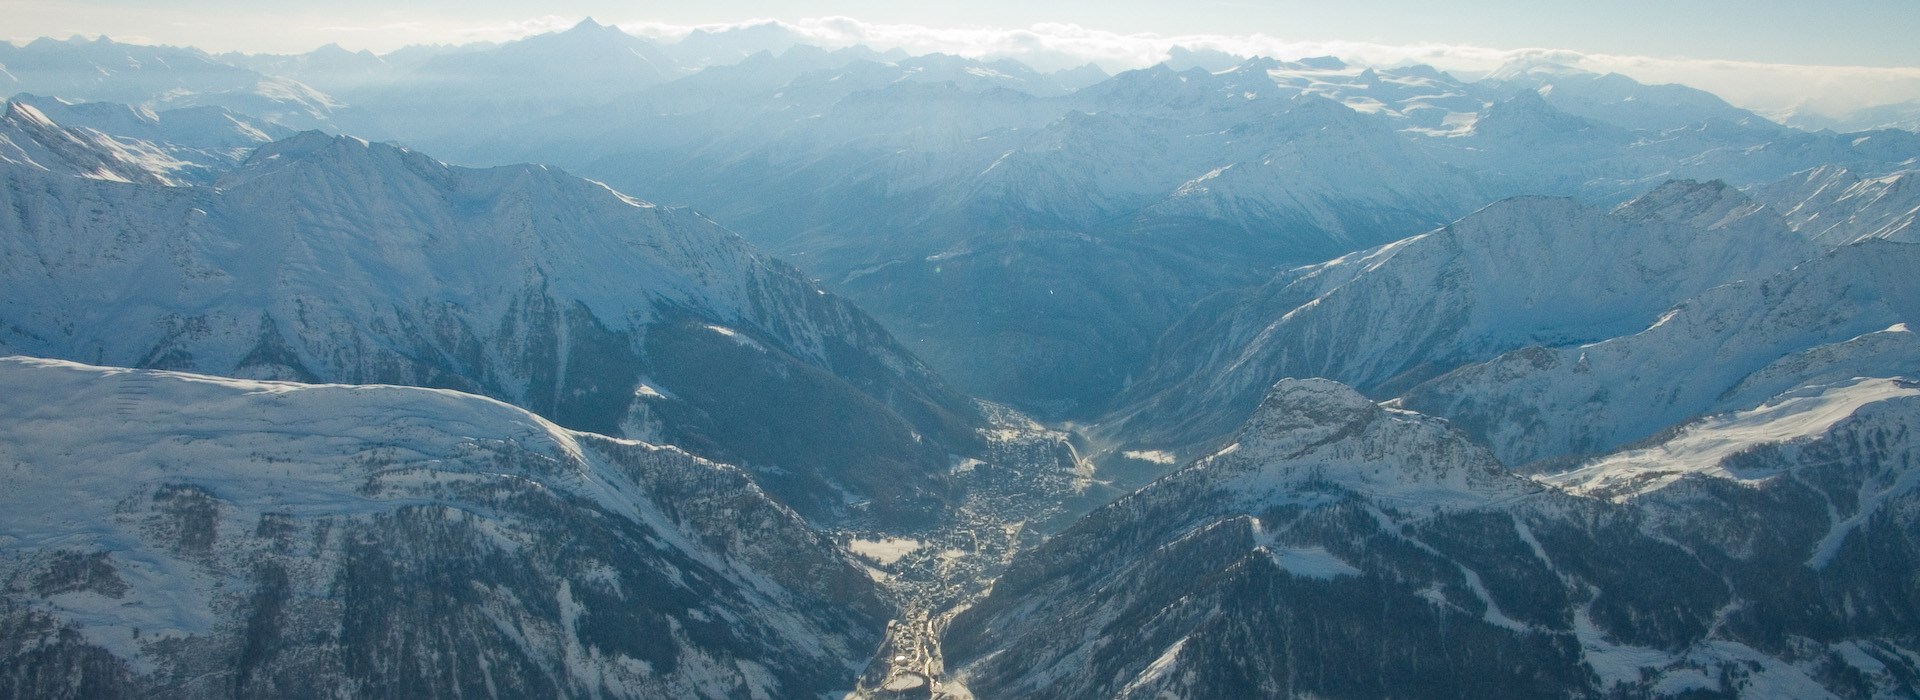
pixel 1520 144
pixel 1080 77
pixel 915 184
pixel 480 92
pixel 184 535
pixel 1297 168
pixel 1618 100
pixel 1897 115
pixel 30 140
pixel 1520 272
pixel 966 73
pixel 1832 205
pixel 210 128
pixel 331 68
pixel 702 48
pixel 103 69
pixel 1820 318
pixel 1339 548
pixel 1554 448
pixel 332 259
pixel 108 141
pixel 158 77
pixel 1868 154
pixel 911 223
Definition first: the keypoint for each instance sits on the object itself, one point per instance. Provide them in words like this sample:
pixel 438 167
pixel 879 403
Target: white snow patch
pixel 1167 662
pixel 735 336
pixel 904 682
pixel 1154 456
pixel 886 550
pixel 1311 562
pixel 1614 663
pixel 1701 448
pixel 1771 679
pixel 1870 499
pixel 1684 680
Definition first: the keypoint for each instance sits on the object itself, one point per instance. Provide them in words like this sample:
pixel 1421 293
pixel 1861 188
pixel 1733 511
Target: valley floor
pixel 1033 479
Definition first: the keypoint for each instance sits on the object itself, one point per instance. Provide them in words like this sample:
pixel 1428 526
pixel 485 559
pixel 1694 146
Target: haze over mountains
pixel 591 365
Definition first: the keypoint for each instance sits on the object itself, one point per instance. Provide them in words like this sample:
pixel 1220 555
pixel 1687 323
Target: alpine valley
pixel 741 364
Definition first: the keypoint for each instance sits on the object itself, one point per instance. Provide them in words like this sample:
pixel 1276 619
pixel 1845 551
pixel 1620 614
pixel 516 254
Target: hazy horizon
pixel 1772 76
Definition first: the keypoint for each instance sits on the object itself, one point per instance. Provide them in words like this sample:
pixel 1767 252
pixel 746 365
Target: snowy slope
pixel 1313 173
pixel 182 534
pixel 1417 98
pixel 1733 152
pixel 30 140
pixel 1619 100
pixel 103 140
pixel 1834 206
pixel 327 258
pixel 1705 446
pixel 1335 535
pixel 211 128
pixel 1522 271
pixel 1539 403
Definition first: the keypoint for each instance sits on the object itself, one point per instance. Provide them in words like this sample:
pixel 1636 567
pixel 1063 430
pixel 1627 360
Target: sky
pixel 1770 55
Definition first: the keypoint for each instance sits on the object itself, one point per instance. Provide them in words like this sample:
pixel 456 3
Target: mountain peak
pixel 1527 112
pixel 21 112
pixel 1323 109
pixel 1257 64
pixel 306 143
pixel 1299 413
pixel 1526 99
pixel 1533 67
pixel 1181 58
pixel 1308 434
pixel 592 31
pixel 1323 63
pixel 317 147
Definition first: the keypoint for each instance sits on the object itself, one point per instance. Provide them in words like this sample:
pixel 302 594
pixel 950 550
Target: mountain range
pixel 325 258
pixel 730 365
pixel 1340 548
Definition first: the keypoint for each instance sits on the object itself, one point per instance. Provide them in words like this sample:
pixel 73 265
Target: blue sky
pixel 1767 54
